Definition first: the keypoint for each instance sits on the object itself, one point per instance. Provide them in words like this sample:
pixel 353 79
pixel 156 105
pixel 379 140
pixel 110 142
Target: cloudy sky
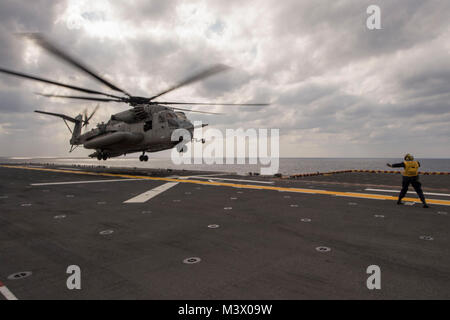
pixel 336 88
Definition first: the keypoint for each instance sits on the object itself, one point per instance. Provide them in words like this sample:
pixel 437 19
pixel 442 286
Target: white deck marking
pixel 143 197
pixel 398 191
pixel 229 179
pixel 6 293
pixel 79 182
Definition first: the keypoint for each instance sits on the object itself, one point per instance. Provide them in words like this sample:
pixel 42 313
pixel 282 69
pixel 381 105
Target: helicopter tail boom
pixel 78 121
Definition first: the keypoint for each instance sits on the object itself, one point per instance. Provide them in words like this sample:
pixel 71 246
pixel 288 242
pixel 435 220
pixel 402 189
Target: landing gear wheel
pixel 143 157
pixel 104 157
pixel 99 157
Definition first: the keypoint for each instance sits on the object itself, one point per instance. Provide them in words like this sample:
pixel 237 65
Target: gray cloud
pixel 337 89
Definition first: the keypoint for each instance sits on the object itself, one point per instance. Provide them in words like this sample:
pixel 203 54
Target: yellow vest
pixel 411 168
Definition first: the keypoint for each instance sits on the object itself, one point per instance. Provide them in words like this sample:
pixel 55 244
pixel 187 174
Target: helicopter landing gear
pixel 143 157
pixel 102 155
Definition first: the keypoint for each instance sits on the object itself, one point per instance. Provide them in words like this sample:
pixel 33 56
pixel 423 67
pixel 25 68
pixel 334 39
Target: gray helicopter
pixel 146 127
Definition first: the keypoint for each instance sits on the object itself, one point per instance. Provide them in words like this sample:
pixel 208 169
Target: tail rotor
pixel 86 118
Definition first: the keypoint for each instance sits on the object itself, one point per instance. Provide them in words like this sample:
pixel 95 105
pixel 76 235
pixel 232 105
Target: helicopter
pixel 146 127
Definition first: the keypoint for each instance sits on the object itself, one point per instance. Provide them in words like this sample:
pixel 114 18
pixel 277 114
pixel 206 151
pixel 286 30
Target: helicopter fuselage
pixel 144 128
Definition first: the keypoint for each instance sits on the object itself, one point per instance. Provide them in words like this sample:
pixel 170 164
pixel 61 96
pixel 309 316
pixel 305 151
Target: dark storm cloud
pixel 334 85
pixel 23 16
pixel 338 28
pixel 14 101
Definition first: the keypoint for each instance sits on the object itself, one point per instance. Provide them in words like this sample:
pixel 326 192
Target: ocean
pixel 287 166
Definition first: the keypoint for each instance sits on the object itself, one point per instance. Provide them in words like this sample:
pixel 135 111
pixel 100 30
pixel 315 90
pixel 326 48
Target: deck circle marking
pixel 25 205
pixel 146 211
pixel 427 238
pixel 286 197
pixel 59 216
pixel 323 249
pixel 352 204
pixel 187 193
pixel 305 220
pixel 442 213
pixel 213 226
pixel 101 202
pixel 192 260
pixel 19 275
pixel 70 196
pixel 379 216
pixel 176 200
pixel 294 205
pixel 228 208
pixel 233 198
pixel 106 232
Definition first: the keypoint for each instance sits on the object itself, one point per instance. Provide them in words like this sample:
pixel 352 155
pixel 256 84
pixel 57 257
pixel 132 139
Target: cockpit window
pixel 148 125
pixel 181 115
pixel 163 116
pixel 172 123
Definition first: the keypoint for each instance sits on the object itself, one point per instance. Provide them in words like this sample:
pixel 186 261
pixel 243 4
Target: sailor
pixel 410 176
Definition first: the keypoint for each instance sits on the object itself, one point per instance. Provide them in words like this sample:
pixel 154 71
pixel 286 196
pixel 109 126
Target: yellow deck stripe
pixel 234 185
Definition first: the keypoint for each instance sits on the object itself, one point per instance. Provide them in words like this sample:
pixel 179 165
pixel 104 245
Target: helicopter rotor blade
pixel 212 104
pixel 78 97
pixel 27 76
pixel 60 115
pixel 92 113
pixel 51 48
pixel 197 77
pixel 85 123
pixel 197 111
pixel 86 118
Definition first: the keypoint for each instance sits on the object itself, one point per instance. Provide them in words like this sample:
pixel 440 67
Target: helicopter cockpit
pixel 174 119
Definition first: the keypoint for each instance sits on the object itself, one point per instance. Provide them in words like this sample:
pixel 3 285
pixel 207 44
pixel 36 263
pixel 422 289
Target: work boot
pixel 399 202
pixel 425 205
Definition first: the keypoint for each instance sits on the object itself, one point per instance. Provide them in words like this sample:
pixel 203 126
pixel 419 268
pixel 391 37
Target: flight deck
pixel 167 234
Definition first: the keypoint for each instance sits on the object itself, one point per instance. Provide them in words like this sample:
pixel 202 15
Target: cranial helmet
pixel 409 157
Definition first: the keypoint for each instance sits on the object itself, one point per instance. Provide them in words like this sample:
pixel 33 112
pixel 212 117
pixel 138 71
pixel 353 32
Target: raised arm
pixel 396 165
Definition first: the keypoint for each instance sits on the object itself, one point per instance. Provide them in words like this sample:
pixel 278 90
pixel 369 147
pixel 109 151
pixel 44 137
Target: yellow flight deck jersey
pixel 411 168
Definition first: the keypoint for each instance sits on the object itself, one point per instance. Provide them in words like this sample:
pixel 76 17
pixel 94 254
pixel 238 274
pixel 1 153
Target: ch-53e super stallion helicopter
pixel 146 127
